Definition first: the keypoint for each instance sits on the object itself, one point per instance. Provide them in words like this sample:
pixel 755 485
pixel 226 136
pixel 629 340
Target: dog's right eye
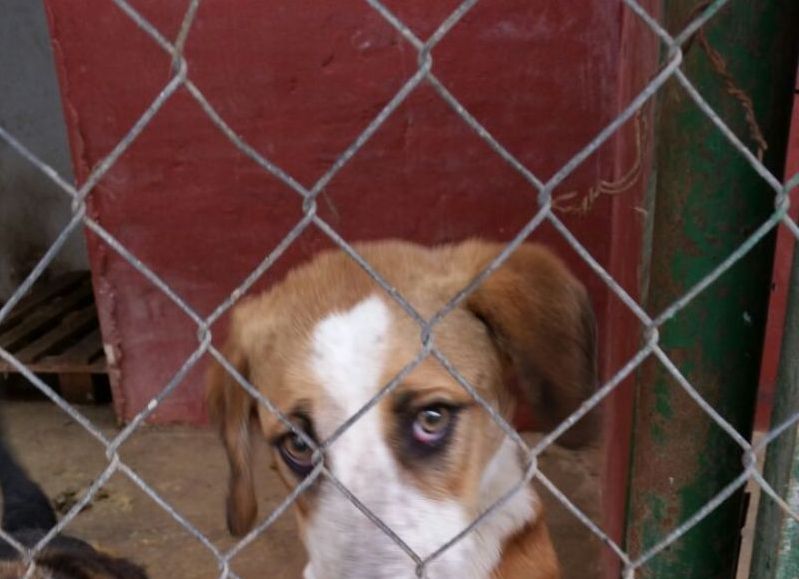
pixel 296 452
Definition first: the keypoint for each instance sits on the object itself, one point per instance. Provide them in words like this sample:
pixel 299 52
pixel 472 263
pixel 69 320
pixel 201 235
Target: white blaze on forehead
pixel 349 354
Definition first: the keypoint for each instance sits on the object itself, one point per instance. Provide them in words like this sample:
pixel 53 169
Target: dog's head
pixel 425 459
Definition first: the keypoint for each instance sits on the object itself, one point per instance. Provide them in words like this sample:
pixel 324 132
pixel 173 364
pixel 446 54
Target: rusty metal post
pixel 776 549
pixel 708 200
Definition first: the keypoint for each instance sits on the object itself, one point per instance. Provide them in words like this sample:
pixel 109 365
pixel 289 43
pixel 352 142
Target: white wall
pixel 33 211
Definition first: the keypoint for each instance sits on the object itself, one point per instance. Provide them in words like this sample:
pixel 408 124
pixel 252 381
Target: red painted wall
pixel 299 81
pixel 783 258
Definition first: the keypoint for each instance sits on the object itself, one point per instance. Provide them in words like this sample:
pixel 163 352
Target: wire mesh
pixel 651 347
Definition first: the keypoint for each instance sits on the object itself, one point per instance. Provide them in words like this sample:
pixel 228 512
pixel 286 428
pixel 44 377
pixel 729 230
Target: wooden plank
pixel 46 322
pixel 59 366
pixel 88 350
pixel 71 329
pixel 43 292
pixel 45 316
pixel 86 356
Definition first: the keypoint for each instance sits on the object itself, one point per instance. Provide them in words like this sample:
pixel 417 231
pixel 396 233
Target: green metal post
pixel 776 549
pixel 708 200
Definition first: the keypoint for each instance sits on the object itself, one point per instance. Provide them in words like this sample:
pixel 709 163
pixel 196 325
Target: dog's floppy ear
pixel 541 320
pixel 233 410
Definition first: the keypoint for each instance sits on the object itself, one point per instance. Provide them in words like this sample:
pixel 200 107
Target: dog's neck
pixel 516 531
pixel 504 472
pixel 529 554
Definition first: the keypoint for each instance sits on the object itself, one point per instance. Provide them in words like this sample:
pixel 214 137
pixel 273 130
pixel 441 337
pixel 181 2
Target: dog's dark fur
pixel 28 516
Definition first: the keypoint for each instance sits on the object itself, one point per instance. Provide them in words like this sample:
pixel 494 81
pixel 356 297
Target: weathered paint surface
pixel 708 201
pixel 783 255
pixel 788 567
pixel 299 82
pixel 629 263
pixel 776 549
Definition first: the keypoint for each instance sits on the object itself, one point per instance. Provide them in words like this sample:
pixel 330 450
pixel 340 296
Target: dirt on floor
pixel 188 469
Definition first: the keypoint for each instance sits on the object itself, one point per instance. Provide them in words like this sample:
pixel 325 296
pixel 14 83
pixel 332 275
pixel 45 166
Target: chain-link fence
pixel 308 196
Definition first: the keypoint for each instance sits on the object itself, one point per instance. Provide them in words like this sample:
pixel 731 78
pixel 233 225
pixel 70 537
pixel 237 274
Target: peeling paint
pixel 682 458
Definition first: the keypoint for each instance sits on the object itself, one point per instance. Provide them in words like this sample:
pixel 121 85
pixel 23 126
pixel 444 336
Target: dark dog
pixel 28 516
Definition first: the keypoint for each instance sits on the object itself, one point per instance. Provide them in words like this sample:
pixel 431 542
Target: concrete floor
pixel 188 469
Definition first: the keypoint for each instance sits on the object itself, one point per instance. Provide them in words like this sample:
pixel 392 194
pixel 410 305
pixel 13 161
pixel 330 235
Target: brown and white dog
pixel 427 459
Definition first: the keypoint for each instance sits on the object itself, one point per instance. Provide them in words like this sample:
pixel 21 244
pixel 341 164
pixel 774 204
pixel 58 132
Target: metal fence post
pixel 776 549
pixel 708 200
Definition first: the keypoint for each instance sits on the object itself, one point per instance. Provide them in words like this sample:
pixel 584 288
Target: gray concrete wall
pixel 33 211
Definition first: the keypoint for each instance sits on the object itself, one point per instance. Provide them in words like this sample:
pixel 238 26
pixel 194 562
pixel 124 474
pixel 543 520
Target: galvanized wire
pixel 307 198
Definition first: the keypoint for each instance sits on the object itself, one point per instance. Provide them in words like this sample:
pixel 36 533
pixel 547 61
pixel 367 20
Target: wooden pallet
pixel 54 330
